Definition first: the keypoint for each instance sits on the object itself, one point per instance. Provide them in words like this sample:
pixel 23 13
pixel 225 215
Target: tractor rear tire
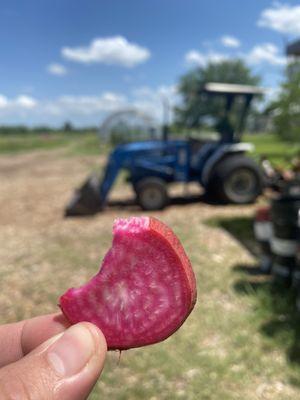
pixel 237 180
pixel 152 194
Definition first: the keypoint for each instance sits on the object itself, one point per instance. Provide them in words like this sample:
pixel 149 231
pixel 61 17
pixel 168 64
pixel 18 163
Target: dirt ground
pixel 34 190
pixel 42 254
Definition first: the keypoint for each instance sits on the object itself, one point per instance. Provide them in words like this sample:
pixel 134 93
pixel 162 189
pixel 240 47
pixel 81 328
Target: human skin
pixel 46 358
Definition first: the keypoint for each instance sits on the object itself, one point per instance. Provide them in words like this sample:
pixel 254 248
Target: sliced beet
pixel 144 290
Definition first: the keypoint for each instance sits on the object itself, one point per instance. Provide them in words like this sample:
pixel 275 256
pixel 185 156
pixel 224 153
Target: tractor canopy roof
pixel 231 128
pixel 231 89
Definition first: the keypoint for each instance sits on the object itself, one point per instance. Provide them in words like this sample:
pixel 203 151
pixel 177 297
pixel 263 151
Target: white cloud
pixel 271 94
pixel 3 101
pixel 87 105
pixel 64 106
pixel 85 110
pixel 163 91
pixel 57 69
pixel 19 103
pixel 194 57
pixel 283 18
pixel 265 53
pixel 230 41
pixel 153 100
pixel 115 50
pixel 24 101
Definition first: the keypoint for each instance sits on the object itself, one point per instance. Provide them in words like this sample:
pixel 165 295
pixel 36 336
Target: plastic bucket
pixel 263 232
pixel 284 243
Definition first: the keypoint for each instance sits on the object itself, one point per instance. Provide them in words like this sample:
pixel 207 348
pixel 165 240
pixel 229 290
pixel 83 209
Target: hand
pixel 45 359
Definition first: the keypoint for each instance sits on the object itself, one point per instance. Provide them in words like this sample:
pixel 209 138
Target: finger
pixel 65 367
pixel 38 330
pixel 20 338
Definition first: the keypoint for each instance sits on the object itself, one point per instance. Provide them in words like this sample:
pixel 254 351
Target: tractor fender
pixel 222 152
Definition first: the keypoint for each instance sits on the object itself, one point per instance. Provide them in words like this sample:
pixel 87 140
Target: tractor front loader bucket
pixel 86 200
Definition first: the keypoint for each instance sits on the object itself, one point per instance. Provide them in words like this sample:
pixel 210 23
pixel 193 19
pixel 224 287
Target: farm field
pixel 87 143
pixel 243 339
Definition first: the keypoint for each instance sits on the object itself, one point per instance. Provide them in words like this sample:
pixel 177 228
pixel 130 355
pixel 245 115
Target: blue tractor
pixel 220 166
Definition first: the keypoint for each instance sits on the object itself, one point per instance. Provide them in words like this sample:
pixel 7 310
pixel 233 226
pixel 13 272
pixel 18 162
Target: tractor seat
pixel 199 158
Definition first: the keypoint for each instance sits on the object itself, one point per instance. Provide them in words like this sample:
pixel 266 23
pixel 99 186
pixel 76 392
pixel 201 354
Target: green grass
pixel 241 325
pixel 240 342
pixel 274 316
pixel 72 143
pixel 240 228
pixel 279 152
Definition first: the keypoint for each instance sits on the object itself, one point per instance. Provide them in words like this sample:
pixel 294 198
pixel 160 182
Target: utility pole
pixel 166 116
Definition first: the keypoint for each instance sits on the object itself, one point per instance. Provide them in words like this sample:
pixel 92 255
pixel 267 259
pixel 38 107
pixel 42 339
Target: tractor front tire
pixel 152 193
pixel 237 180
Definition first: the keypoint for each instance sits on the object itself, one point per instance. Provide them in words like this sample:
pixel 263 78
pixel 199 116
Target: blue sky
pixel 80 60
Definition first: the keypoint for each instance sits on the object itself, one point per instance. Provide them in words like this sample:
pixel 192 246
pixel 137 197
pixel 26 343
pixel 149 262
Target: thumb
pixel 65 367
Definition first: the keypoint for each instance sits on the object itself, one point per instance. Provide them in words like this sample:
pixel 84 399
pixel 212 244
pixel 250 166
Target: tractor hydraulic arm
pixel 109 176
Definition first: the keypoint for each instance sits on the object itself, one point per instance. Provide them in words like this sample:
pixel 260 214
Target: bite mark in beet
pixel 145 288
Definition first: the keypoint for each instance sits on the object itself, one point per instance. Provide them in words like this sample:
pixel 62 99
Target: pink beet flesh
pixel 144 290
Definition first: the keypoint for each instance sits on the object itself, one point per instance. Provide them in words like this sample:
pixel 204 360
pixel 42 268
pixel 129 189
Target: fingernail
pixel 72 351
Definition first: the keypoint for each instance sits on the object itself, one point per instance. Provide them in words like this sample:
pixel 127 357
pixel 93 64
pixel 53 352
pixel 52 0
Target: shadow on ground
pixel 274 305
pixel 86 200
pixel 131 203
pixel 273 302
pixel 240 228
